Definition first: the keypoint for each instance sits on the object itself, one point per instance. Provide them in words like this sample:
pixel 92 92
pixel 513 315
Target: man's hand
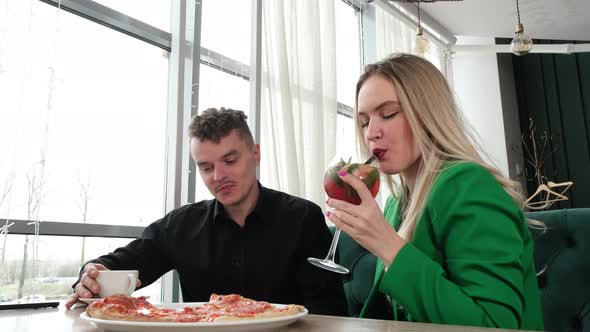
pixel 88 286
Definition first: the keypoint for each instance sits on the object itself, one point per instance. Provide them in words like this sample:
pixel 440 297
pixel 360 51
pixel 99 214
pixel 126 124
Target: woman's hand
pixel 365 223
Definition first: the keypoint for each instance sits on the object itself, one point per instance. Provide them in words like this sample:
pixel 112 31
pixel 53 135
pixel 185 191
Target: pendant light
pixel 422 45
pixel 521 44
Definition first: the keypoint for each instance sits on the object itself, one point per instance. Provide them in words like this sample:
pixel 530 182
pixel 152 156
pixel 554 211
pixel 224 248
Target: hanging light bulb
pixel 422 45
pixel 521 44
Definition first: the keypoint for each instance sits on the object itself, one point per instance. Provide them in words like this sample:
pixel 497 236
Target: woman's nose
pixel 373 131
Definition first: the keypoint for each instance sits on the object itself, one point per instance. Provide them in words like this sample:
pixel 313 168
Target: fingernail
pixel 328 213
pixel 342 173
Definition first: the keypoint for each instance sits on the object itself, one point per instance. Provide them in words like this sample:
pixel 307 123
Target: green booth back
pixel 562 259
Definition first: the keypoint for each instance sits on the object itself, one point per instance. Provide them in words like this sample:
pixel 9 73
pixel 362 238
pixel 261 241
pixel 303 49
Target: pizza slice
pixel 235 307
pixel 120 307
pixel 219 308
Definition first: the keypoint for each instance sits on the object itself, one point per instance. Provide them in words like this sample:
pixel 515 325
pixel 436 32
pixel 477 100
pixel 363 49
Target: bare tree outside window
pixel 35 182
pixel 4 229
pixel 83 206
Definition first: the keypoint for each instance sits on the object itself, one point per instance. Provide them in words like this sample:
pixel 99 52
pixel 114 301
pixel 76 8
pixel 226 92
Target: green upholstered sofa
pixel 562 259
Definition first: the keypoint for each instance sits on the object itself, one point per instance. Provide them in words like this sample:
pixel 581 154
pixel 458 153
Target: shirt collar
pixel 261 211
pixel 264 205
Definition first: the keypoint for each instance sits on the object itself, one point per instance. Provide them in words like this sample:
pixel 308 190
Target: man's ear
pixel 257 153
pixel 193 148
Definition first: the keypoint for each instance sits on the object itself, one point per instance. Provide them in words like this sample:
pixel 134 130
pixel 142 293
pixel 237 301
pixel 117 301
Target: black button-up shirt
pixel 264 260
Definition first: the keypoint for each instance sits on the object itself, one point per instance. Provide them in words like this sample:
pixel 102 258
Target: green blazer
pixel 469 262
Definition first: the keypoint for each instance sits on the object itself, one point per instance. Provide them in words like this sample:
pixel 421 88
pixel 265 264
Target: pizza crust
pixel 289 310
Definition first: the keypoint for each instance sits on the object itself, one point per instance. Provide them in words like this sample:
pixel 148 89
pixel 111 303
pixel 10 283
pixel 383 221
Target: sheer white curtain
pixel 298 106
pixel 394 36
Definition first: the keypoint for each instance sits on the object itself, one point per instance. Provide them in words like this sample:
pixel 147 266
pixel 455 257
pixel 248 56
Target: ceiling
pixel 542 19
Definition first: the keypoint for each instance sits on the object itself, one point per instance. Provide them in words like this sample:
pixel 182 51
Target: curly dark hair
pixel 214 124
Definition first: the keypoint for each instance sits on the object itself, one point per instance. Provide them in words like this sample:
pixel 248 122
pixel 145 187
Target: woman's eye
pixel 363 121
pixel 389 116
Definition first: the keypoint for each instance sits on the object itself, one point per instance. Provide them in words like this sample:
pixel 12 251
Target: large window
pixel 82 127
pixel 83 120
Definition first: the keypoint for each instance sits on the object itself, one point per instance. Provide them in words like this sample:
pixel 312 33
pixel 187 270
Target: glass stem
pixel 332 251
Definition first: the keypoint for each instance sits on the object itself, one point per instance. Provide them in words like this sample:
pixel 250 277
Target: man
pixel 249 240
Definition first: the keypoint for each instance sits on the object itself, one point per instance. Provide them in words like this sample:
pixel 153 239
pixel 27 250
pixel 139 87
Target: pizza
pixel 220 308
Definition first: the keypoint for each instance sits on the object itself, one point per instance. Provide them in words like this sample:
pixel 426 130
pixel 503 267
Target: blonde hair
pixel 439 130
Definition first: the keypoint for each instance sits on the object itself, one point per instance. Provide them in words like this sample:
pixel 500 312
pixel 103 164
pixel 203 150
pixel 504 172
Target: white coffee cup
pixel 117 282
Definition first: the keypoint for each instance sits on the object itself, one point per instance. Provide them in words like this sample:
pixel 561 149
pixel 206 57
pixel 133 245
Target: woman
pixel 452 243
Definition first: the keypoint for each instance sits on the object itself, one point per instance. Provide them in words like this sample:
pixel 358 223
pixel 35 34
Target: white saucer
pixel 88 300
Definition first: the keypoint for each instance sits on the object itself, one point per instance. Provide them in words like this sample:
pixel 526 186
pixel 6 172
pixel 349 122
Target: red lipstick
pixel 379 152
